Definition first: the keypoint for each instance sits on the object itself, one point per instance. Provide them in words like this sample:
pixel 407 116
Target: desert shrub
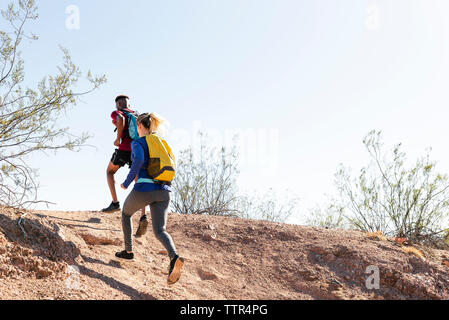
pixel 268 206
pixel 206 183
pixel 331 217
pixel 28 117
pixel 393 198
pixel 206 180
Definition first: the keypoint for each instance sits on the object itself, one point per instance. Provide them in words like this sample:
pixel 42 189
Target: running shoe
pixel 113 207
pixel 175 270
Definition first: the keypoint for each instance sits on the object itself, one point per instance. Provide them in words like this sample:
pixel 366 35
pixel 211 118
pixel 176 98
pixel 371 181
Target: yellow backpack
pixel 162 163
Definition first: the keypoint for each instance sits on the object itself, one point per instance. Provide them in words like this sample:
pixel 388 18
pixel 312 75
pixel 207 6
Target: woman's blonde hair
pixel 158 123
pixel 153 122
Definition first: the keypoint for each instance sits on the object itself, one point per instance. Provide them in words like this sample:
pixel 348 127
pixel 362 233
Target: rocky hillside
pixel 70 255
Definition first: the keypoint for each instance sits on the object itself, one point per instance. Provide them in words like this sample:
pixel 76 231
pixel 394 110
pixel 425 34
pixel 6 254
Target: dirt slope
pixel 70 255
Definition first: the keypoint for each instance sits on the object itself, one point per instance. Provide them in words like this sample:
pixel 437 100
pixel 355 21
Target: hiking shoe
pixel 175 270
pixel 143 225
pixel 113 207
pixel 125 255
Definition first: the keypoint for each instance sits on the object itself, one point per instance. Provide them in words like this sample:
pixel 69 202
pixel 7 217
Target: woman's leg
pixel 159 214
pixel 143 214
pixel 135 201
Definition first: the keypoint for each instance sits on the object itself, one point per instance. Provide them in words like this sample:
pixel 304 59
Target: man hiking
pixel 151 189
pixel 121 157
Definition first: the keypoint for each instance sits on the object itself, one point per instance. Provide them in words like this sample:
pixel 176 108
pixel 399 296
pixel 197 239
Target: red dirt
pixel 70 255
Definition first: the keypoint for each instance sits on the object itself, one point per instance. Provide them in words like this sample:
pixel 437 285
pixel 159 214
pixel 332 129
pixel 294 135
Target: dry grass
pixel 99 241
pixel 376 236
pixel 414 251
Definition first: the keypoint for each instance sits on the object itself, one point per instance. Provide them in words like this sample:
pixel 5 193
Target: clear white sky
pixel 312 76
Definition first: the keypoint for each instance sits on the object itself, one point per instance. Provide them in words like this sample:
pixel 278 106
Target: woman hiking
pixel 148 192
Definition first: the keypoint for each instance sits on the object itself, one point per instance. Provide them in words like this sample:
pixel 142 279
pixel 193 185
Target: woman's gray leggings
pixel 158 201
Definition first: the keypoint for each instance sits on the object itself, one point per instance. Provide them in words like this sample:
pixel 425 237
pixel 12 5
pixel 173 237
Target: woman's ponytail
pixel 158 123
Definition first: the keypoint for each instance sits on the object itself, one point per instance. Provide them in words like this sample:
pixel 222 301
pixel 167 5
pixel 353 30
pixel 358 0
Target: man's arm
pixel 120 126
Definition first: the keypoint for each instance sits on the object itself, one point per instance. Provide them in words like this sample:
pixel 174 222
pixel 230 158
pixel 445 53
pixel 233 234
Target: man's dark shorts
pixel 121 158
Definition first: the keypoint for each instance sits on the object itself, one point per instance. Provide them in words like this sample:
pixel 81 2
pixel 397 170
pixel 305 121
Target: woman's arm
pixel 138 158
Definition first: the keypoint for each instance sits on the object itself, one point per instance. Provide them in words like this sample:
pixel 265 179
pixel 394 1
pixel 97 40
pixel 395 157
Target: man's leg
pixel 111 171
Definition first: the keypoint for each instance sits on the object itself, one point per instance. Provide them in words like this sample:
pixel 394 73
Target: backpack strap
pixel 126 110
